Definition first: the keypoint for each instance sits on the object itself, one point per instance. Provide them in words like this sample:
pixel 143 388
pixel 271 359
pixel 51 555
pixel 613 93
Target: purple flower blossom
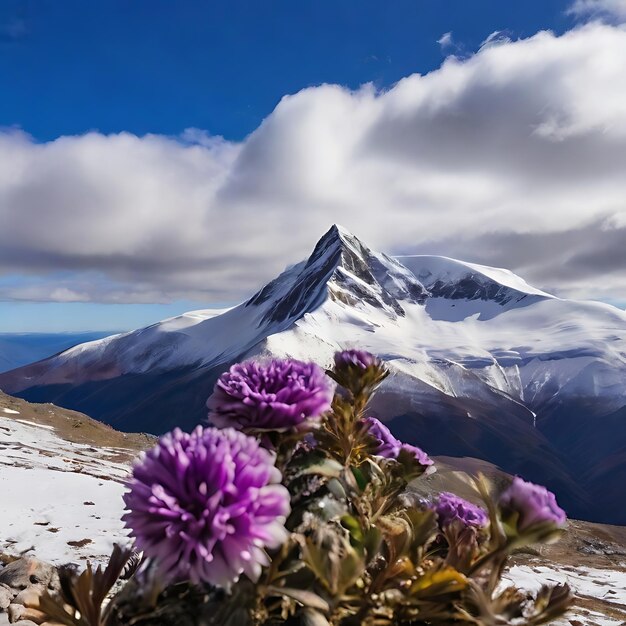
pixel 276 396
pixel 359 359
pixel 358 371
pixel 205 504
pixel 450 508
pixel 533 504
pixel 388 446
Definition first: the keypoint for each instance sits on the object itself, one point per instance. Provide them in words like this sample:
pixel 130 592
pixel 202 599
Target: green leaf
pixel 360 478
pixel 337 489
pixel 352 567
pixel 328 467
pixel 372 541
pixel 352 525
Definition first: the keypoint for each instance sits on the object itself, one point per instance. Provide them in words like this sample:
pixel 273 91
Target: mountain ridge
pixel 496 370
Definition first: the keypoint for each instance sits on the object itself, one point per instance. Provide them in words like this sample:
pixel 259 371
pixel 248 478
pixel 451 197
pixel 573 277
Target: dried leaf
pixel 82 596
pixel 302 596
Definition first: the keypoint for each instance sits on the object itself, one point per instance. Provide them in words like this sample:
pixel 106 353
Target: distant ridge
pixel 17 349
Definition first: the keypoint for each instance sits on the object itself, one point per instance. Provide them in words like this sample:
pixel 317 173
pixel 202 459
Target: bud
pixel 451 509
pixel 358 371
pixel 531 511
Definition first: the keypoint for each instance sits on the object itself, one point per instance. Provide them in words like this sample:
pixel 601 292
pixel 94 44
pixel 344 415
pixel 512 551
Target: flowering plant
pixel 297 507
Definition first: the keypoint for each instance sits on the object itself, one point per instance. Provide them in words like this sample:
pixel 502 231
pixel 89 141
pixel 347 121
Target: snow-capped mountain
pixel 484 365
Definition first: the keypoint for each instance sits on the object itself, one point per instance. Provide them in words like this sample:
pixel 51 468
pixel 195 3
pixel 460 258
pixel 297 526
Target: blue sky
pixel 153 164
pixel 158 66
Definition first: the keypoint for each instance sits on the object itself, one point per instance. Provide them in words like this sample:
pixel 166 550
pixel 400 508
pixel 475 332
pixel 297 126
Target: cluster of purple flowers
pixel 389 447
pixel 205 505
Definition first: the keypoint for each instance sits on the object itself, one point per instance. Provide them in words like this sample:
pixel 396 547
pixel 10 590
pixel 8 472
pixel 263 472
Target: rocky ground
pixel 21 583
pixel 61 483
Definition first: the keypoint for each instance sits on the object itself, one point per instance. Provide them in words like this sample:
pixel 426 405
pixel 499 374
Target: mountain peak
pixel 339 231
pixel 343 269
pixel 335 241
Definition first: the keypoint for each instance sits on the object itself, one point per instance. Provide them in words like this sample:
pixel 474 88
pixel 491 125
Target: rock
pixel 30 596
pixel 6 596
pixel 4 621
pixel 18 613
pixel 21 584
pixel 15 612
pixel 29 572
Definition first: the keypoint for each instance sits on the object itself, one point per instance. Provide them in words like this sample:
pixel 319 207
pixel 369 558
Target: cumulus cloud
pixel 606 9
pixel 513 157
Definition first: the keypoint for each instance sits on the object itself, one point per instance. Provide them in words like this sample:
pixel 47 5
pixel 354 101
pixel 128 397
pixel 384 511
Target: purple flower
pixel 388 446
pixel 359 359
pixel 276 396
pixel 533 505
pixel 450 508
pixel 358 371
pixel 205 504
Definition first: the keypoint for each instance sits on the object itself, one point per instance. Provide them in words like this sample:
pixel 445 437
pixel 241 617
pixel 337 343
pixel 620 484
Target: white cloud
pixel 446 41
pixel 496 38
pixel 607 9
pixel 513 157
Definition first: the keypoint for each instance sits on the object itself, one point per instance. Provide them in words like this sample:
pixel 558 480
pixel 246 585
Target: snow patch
pixel 608 586
pixel 60 500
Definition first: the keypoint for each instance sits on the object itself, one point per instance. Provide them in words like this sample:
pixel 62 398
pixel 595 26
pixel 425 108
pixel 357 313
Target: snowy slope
pixel 433 270
pixel 483 364
pixel 60 496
